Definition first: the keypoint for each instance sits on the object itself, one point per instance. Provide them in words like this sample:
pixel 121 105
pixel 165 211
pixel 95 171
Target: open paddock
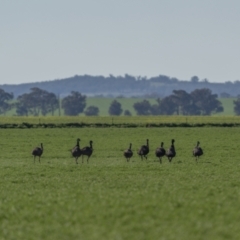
pixel 110 198
pixel 139 121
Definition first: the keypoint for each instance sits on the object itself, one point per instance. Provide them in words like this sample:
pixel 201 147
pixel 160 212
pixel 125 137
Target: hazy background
pixel 50 39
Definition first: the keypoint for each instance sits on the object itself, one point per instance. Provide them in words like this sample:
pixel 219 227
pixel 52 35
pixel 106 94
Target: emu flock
pixel 143 151
pixel 160 152
pixel 76 151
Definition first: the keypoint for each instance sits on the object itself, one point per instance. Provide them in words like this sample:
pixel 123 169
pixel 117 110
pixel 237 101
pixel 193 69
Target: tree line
pixel 127 85
pixel 198 102
pixel 41 102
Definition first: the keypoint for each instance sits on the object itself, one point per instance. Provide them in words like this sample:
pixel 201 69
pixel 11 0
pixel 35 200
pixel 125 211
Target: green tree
pixel 168 105
pixel 185 102
pixel 115 108
pixel 52 103
pixel 36 102
pixel 237 105
pixel 194 79
pixel 5 97
pixel 143 108
pixel 127 113
pixel 21 110
pixel 24 104
pixel 206 101
pixel 74 103
pixel 92 111
pixel 155 108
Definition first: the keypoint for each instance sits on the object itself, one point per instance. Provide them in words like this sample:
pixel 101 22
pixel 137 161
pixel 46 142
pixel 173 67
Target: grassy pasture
pixel 228 106
pixel 112 199
pixel 140 121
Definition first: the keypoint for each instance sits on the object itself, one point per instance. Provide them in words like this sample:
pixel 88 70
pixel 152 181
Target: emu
pixel 143 150
pixel 171 153
pixel 160 152
pixel 197 151
pixel 38 151
pixel 87 151
pixel 76 151
pixel 128 153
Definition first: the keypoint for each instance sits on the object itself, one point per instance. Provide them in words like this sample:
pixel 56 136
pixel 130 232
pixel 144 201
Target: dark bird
pixel 160 152
pixel 171 153
pixel 87 151
pixel 143 150
pixel 76 151
pixel 197 151
pixel 37 152
pixel 128 153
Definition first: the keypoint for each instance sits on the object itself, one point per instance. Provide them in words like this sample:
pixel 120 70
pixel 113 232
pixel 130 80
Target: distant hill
pixel 124 85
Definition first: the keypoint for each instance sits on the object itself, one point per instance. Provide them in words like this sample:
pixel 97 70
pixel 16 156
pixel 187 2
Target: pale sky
pixel 52 39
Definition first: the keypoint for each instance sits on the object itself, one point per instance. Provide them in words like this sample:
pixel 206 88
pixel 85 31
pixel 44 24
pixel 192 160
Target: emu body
pixel 128 153
pixel 87 151
pixel 160 152
pixel 76 151
pixel 144 150
pixel 171 152
pixel 197 151
pixel 37 152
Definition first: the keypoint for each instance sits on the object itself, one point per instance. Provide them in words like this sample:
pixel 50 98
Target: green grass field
pixel 228 107
pixel 112 199
pixel 141 121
